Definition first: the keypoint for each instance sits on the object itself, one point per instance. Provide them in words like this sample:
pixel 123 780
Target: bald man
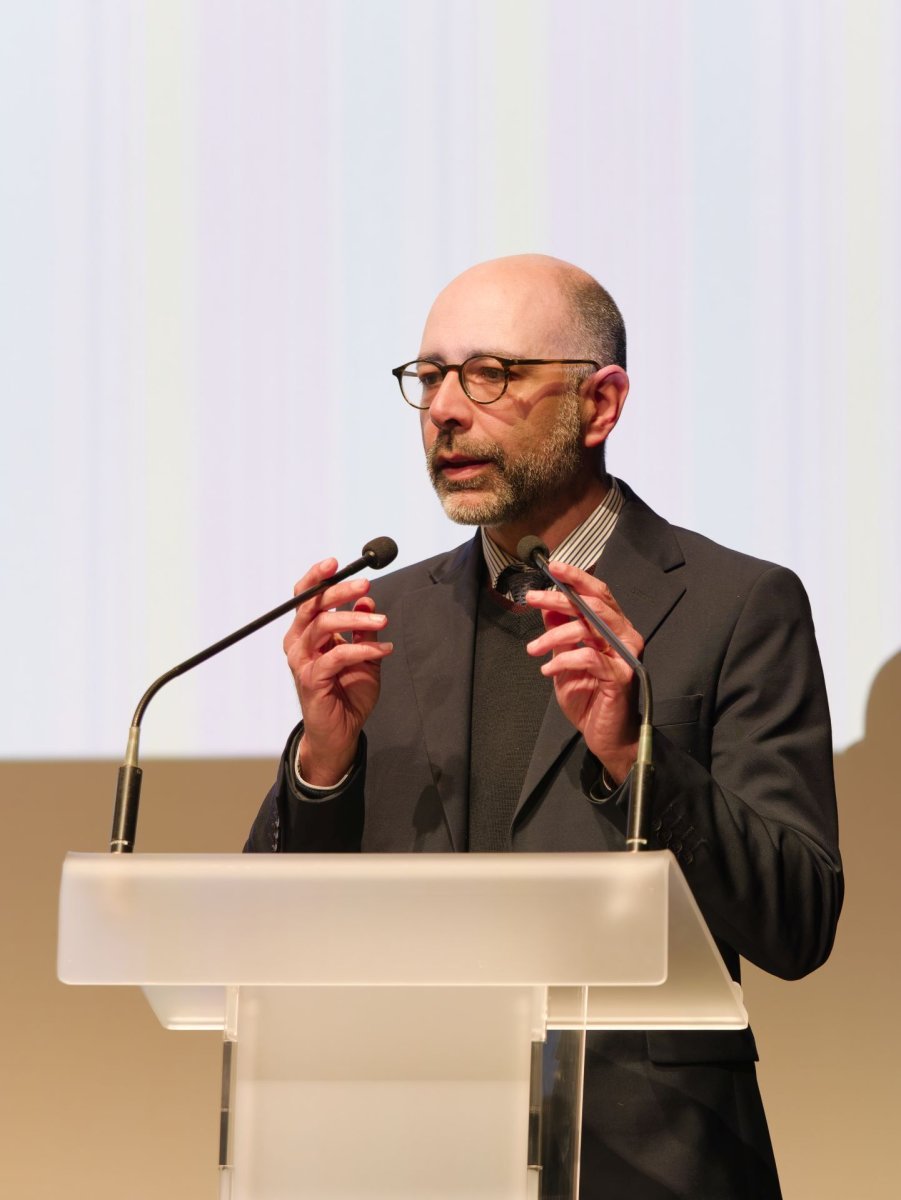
pixel 454 706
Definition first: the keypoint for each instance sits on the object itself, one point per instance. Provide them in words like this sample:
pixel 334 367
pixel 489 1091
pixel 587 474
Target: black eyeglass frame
pixel 506 363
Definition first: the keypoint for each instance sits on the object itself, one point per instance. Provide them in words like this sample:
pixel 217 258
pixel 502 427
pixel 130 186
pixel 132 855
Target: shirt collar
pixel 582 548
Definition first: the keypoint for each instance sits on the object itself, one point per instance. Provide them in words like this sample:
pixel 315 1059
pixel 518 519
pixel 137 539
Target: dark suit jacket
pixel 743 796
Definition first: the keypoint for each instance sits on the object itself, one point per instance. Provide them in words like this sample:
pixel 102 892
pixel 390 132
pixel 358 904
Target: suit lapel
pixel 440 624
pixel 640 565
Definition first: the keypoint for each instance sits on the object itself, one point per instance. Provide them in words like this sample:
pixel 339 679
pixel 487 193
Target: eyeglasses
pixel 483 377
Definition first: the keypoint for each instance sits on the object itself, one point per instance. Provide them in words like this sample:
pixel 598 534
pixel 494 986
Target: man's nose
pixel 450 404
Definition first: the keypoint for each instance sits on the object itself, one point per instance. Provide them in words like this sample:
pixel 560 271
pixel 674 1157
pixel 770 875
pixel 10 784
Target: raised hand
pixel 335 660
pixel 594 686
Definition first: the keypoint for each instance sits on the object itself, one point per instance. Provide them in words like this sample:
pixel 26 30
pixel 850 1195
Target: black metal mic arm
pixel 533 551
pixel 376 554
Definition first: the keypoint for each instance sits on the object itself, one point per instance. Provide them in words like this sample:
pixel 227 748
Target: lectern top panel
pixel 394 919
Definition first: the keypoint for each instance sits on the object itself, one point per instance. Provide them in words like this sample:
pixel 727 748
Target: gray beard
pixel 521 487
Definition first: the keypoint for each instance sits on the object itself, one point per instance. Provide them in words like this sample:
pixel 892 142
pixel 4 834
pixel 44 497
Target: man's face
pixel 479 482
pixel 500 463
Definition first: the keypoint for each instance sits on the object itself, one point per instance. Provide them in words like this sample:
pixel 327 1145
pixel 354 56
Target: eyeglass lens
pixel 484 380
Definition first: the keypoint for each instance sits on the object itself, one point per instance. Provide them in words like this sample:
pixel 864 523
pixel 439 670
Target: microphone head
pixel 380 551
pixel 527 547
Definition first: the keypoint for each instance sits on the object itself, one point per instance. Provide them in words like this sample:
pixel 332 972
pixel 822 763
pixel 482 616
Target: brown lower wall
pixel 97 1101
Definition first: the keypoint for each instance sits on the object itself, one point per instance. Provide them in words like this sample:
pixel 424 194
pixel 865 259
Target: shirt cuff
pixel 598 786
pixel 316 789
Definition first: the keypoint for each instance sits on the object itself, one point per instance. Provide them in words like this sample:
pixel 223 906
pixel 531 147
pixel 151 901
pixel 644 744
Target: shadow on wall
pixel 831 1044
pixel 869 799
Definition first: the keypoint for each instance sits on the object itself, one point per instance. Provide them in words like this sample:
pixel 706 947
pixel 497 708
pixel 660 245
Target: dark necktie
pixel 517 579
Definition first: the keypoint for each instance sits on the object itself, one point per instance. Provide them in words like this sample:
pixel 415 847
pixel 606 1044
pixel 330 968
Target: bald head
pixel 538 456
pixel 542 306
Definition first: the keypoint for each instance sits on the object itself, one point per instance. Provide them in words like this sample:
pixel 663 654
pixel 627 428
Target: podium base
pixel 431 1104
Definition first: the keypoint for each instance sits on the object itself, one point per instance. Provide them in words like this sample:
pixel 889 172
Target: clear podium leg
pixel 383 1093
pixel 563 1069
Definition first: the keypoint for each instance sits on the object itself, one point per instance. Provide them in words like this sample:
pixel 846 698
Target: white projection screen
pixel 222 225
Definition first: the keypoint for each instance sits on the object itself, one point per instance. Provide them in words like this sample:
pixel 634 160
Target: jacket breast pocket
pixel 678 719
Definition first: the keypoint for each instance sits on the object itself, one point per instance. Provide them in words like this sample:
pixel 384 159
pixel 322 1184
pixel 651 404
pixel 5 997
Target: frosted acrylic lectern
pixel 380 1011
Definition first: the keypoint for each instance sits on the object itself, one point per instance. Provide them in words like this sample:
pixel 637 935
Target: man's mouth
pixel 460 466
pixel 463 466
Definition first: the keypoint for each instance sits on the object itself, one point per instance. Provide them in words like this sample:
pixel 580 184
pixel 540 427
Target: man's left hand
pixel 593 684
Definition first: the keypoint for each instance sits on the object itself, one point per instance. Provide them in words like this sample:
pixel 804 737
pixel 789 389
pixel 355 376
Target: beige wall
pixel 97 1101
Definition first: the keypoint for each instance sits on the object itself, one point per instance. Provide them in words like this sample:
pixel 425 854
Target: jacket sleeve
pixel 294 820
pixel 756 834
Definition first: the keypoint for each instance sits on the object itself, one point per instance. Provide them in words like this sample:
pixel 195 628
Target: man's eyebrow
pixel 481 353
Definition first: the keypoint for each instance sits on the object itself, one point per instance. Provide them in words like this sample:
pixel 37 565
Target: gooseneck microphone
pixel 533 551
pixel 376 554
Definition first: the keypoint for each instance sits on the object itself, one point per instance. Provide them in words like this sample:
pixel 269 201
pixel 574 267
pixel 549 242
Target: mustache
pixel 446 443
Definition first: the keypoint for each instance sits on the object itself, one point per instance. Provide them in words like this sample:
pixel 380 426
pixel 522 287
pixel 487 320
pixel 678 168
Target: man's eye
pixel 429 379
pixel 484 373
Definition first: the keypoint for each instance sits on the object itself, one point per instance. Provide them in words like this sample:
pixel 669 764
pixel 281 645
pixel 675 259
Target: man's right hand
pixel 335 660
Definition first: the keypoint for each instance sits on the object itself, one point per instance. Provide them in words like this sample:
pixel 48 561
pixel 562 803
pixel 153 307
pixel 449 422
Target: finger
pixel 330 629
pixel 554 601
pixel 324 626
pixel 319 573
pixel 587 663
pixel 341 657
pixel 567 634
pixel 333 597
pixel 582 582
pixel 558 612
pixel 586 585
pixel 346 592
pixel 316 574
pixel 551 602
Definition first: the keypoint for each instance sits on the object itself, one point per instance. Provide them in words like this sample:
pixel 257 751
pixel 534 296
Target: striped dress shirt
pixel 582 548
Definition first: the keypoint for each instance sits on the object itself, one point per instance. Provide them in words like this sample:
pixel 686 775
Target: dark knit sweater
pixel 509 698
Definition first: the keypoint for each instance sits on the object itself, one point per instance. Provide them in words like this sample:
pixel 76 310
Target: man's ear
pixel 606 391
